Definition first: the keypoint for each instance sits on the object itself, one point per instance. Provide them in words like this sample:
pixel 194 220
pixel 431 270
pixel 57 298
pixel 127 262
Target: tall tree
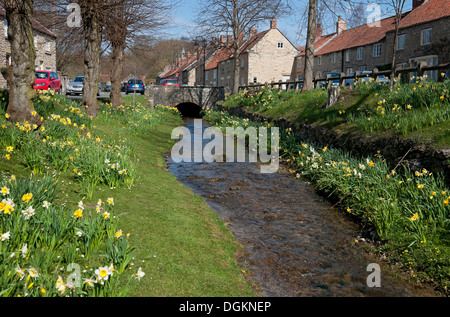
pixel 310 46
pixel 130 21
pixel 19 17
pixel 237 17
pixel 92 12
pixel 398 6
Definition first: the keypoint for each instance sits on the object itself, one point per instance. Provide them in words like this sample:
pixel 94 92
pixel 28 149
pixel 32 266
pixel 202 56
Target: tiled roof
pixel 36 25
pixel 428 11
pixel 359 36
pixel 364 35
pixel 223 54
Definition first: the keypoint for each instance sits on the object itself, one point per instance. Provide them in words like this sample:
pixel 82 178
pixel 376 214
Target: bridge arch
pixel 189 109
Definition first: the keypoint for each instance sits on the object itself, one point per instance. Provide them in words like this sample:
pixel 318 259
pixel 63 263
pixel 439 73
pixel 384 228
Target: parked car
pixel 107 88
pixel 47 80
pixel 334 82
pixel 169 82
pixel 135 85
pixel 381 79
pixel 75 87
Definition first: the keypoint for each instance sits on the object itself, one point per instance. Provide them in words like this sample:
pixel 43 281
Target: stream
pixel 296 243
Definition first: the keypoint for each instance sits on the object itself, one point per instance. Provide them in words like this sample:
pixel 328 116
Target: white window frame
pixel 347 55
pixel 425 40
pixel 401 42
pixel 255 80
pixel 360 53
pixel 319 60
pixel 377 50
pixel 280 45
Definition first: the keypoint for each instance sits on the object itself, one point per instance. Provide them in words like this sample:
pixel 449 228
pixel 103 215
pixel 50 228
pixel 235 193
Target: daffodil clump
pixel 49 250
pixel 408 108
pixel 409 210
pixel 137 117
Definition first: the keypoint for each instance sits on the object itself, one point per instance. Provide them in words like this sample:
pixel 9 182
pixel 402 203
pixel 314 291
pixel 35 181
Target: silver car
pixel 75 87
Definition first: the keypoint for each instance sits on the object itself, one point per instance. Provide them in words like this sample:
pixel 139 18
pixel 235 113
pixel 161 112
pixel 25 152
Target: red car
pixel 47 80
pixel 169 82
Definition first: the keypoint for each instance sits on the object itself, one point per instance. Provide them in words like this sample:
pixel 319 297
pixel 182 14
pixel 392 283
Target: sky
pixel 185 13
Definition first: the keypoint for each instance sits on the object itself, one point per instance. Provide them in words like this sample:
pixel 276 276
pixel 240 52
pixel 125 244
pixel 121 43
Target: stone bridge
pixel 189 100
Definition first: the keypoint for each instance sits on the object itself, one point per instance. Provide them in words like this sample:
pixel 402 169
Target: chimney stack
pixel 417 3
pixel 222 38
pixel 318 31
pixel 341 25
pixel 273 23
pixel 229 38
pixel 253 32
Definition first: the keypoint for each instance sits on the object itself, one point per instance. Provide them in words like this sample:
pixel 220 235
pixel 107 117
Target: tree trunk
pixel 93 39
pixel 117 73
pixel 236 67
pixel 20 35
pixel 394 51
pixel 309 50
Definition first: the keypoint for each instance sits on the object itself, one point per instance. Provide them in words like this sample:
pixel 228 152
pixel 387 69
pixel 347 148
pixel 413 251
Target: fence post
pixel 420 67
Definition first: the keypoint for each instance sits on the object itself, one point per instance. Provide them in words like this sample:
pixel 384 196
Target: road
pixel 103 95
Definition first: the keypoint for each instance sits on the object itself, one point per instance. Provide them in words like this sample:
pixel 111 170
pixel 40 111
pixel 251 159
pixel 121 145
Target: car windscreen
pixel 78 80
pixel 171 82
pixel 135 81
pixel 41 75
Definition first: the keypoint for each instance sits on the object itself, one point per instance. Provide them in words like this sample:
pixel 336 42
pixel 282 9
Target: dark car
pixel 334 82
pixel 107 88
pixel 135 85
pixel 367 78
pixel 169 82
pixel 47 80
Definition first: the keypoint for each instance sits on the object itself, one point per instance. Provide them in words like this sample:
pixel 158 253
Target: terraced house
pixel 423 36
pixel 265 57
pixel 45 45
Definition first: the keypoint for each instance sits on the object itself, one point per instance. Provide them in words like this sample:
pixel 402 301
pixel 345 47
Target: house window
pixel 255 80
pixel 362 68
pixel 319 60
pixel 8 60
pixel 425 37
pixel 48 46
pixel 349 71
pixel 215 74
pixel 280 44
pixel 242 63
pixel 401 42
pixel 360 53
pixel 333 58
pixel 207 76
pixel 347 55
pixel 377 50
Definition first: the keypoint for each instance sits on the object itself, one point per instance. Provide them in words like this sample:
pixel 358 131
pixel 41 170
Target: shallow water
pixel 296 243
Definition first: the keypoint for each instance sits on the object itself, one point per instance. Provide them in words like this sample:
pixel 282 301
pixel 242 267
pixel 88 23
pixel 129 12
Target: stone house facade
pixel 265 57
pixel 423 36
pixel 44 42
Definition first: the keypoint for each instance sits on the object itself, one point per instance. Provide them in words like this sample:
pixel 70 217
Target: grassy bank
pixel 408 211
pixel 93 197
pixel 420 110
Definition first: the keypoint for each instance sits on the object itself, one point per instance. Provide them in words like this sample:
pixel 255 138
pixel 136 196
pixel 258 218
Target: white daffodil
pixel 139 274
pixel 5 236
pixel 46 204
pixel 28 213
